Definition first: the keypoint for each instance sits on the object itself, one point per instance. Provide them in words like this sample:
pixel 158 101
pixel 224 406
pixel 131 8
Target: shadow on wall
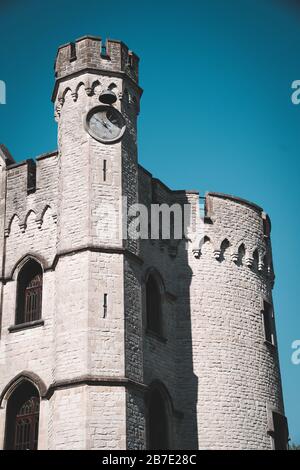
pixel 171 400
pixel 187 381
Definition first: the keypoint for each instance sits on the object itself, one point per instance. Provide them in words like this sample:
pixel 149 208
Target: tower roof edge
pixel 90 52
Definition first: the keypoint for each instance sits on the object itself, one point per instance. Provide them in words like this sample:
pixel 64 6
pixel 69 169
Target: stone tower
pixel 110 341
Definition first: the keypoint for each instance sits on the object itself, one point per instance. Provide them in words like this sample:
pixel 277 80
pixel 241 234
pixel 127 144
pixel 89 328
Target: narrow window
pixel 104 170
pixel 268 321
pixel 158 429
pixel 73 52
pixel 153 306
pixel 280 431
pixel 267 226
pixel 22 418
pixel 31 176
pixel 105 306
pixel 29 293
pixel 130 60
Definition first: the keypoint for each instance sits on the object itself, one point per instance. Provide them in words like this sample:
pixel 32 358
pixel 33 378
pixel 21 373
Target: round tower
pixel 133 343
pixel 235 356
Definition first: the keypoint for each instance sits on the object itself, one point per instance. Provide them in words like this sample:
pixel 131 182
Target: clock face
pixel 105 124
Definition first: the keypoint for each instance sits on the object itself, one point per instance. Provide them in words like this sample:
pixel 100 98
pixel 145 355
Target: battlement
pixel 178 320
pixel 89 52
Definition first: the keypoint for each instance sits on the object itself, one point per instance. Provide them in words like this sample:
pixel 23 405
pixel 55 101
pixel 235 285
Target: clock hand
pixel 108 125
pixel 104 123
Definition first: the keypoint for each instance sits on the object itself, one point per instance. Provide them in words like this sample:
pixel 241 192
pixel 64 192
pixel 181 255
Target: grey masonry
pixel 94 362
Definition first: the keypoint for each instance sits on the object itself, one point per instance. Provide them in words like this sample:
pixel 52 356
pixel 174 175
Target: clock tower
pixel 109 342
pixel 97 142
pixel 97 275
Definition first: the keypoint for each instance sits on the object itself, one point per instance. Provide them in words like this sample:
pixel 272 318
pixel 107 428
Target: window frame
pixel 23 393
pixel 28 271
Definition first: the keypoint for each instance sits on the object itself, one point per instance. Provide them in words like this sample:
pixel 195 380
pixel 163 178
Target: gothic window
pixel 158 426
pixel 29 293
pixel 22 418
pixel 153 305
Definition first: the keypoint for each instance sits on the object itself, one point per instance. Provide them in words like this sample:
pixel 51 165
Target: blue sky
pixel 217 77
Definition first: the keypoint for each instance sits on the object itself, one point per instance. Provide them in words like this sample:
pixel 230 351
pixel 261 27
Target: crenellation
pixel 94 351
pixel 87 53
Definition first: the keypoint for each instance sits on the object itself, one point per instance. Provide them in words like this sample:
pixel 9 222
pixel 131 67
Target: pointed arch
pixel 200 241
pixel 62 96
pixel 22 261
pixel 95 84
pixel 28 215
pixel 151 271
pixel 15 218
pixel 225 244
pixel 78 86
pixel 206 246
pixel 22 414
pixel 25 375
pixel 47 210
pixel 241 253
pixel 29 292
pixel 203 240
pixel 223 249
pixel 159 412
pixel 242 248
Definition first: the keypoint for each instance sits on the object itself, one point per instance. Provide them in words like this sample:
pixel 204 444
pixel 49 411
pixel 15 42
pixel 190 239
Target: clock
pixel 105 124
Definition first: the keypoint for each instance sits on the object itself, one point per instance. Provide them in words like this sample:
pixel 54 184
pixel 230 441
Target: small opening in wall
pixel 280 435
pixel 105 306
pixel 267 226
pixel 31 176
pixel 72 52
pixel 268 321
pixel 130 60
pixel 104 170
pixel 104 52
pixel 202 202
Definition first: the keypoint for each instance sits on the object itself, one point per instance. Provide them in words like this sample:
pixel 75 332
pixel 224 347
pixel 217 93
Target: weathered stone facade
pixel 94 369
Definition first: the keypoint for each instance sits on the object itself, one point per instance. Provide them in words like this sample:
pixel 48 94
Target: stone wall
pixel 238 372
pixel 92 357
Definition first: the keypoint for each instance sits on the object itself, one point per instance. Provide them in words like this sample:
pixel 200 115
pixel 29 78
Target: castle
pixel 119 342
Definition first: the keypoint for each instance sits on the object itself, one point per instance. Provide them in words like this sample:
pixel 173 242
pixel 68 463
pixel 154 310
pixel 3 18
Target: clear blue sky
pixel 217 77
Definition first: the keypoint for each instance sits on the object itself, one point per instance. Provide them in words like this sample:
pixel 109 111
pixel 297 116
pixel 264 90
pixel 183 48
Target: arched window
pixel 158 422
pixel 153 305
pixel 22 418
pixel 29 293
